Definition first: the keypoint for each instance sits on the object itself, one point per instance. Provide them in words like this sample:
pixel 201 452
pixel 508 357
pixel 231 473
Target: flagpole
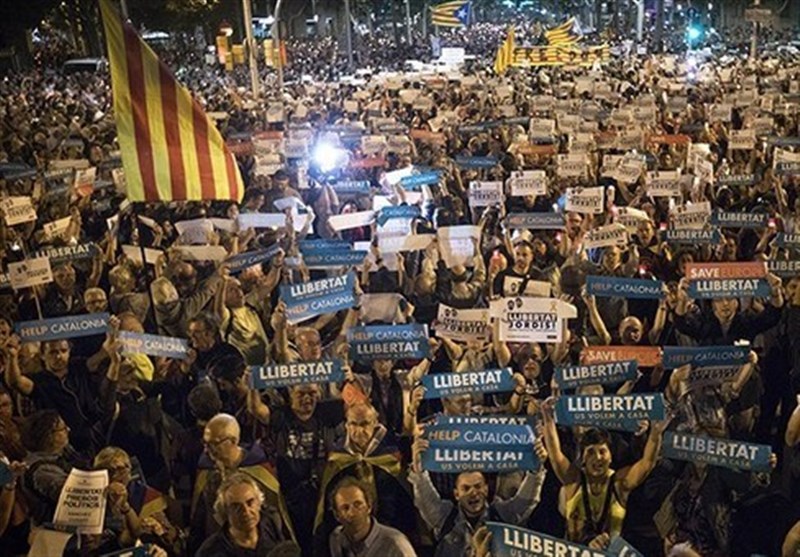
pixel 276 43
pixel 349 36
pixel 247 8
pixel 408 21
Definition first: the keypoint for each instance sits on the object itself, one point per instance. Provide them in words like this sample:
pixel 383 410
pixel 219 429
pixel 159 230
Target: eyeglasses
pixel 216 442
pixel 119 468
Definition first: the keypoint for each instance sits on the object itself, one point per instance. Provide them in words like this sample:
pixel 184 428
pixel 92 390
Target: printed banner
pixel 486 458
pixel 691 237
pixel 393 342
pixel 784 268
pixel 62 254
pixel 416 181
pixel 397 212
pixel 585 200
pixel 283 375
pixel 535 221
pixel 611 373
pixel 154 345
pixel 334 259
pixel 726 453
pixel 691 217
pixel 647 356
pixel 531 319
pixel 737 180
pixel 442 420
pixel 352 187
pixel 527 182
pixel 18 210
pixel 348 221
pixel 617 412
pixel 30 272
pixel 572 166
pixel 320 245
pixel 82 502
pixel 624 287
pixel 513 541
pixel 309 299
pixel 622 548
pixel 63 327
pixel 784 240
pixel 732 219
pixel 677 356
pixel 476 162
pixel 727 280
pixel 712 375
pixel 240 262
pixel 485 194
pixel 462 324
pixel 614 234
pixel 443 385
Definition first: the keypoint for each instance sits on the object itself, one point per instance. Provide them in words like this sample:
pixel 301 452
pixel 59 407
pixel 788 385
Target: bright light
pixel 694 33
pixel 328 157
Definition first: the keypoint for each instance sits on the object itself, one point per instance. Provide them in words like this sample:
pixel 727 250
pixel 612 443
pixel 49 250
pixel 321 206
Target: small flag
pixel 567 33
pixel 451 14
pixel 505 54
pixel 171 150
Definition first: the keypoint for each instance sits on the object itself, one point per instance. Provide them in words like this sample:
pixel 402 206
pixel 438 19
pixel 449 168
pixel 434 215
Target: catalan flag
pixel 171 150
pixel 451 14
pixel 505 54
pixel 566 33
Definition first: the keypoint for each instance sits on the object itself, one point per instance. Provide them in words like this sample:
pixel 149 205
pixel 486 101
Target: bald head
pixel 224 425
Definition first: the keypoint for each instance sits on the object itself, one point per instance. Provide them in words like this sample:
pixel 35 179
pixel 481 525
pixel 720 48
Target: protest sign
pixel 630 218
pixel 572 166
pixel 736 180
pixel 585 200
pixel 727 280
pixel 57 228
pixel 624 288
pixel 476 162
pixel 62 327
pixel 726 453
pixel 329 295
pixel 542 128
pixel 457 244
pixel 692 237
pixel 742 139
pixel 535 221
pixel 397 212
pixel 82 502
pixel 735 219
pixel 348 221
pixel 414 182
pixel 441 420
pixel 295 373
pixel 462 324
pixel 692 217
pixel 527 182
pixel 153 345
pixel 134 253
pixel 30 272
pixel 617 412
pixel 485 194
pixel 322 245
pixel 663 183
pixel 786 240
pixel 63 254
pixel 614 234
pixel 242 261
pixel 334 259
pixel 395 244
pixel 202 253
pixel 513 541
pixel 513 286
pixel 394 342
pixel 18 210
pixel 622 548
pixel 261 220
pixel 84 181
pixel 138 551
pixel 647 356
pixel 712 375
pixel 784 268
pixel 531 319
pixel 610 373
pixel 487 447
pixel 676 356
pixel 443 385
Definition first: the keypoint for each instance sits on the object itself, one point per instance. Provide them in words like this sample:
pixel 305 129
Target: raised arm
pixel 13 375
pixel 633 476
pixel 565 471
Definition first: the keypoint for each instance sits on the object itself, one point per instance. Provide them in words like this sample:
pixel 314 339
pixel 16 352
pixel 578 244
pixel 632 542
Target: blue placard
pixel 63 254
pixel 513 541
pixel 728 288
pixel 397 212
pixel 242 261
pixel 784 268
pixel 352 187
pixel 441 385
pixel 783 141
pixel 618 412
pixel 139 551
pixel 415 181
pixel 609 373
pixel 469 435
pixel 735 219
pixel 378 342
pixel 441 457
pixel 622 548
pixel 787 168
pixel 476 162
pixel 625 287
pixel 6 475
pixel 474 128
pixel 63 327
pixel 535 221
pixel 295 373
pixel 334 259
pixel 442 420
pixel 737 180
pixel 727 453
pixel 712 236
pixel 309 299
pixel 319 245
pixel 784 240
pixel 677 356
pixel 154 345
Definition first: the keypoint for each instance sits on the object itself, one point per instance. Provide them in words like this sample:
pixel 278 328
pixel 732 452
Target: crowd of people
pixel 200 462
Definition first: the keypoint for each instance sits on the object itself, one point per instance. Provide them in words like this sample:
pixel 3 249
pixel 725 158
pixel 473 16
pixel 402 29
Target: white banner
pixel 82 502
pixel 691 217
pixel 462 324
pixel 18 210
pixel 485 194
pixel 605 236
pixel 531 319
pixel 351 220
pixel 527 182
pixel 585 200
pixel 30 272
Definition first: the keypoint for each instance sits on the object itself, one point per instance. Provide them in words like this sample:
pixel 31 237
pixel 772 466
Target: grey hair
pixel 220 505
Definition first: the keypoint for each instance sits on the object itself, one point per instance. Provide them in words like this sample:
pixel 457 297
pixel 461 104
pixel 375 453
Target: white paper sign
pixel 605 236
pixel 542 128
pixel 457 244
pixel 585 200
pixel 82 502
pixel 572 165
pixel 261 220
pixel 203 253
pixel 462 324
pixel 56 228
pixel 351 220
pixel 527 182
pixel 691 217
pixel 414 242
pixel 134 253
pixel 742 139
pixel 30 272
pixel 485 194
pixel 18 210
pixel 531 319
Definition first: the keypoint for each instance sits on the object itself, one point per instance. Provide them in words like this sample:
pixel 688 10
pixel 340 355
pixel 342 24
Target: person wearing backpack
pixel 454 524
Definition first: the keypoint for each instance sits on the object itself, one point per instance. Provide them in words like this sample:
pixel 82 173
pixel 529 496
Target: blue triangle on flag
pixel 462 14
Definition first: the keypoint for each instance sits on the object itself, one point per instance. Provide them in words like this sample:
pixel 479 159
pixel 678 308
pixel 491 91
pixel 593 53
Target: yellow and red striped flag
pixel 505 54
pixel 566 33
pixel 171 150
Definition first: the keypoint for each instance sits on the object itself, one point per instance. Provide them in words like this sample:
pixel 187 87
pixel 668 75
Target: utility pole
pixel 754 37
pixel 247 10
pixel 349 36
pixel 276 43
pixel 408 21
